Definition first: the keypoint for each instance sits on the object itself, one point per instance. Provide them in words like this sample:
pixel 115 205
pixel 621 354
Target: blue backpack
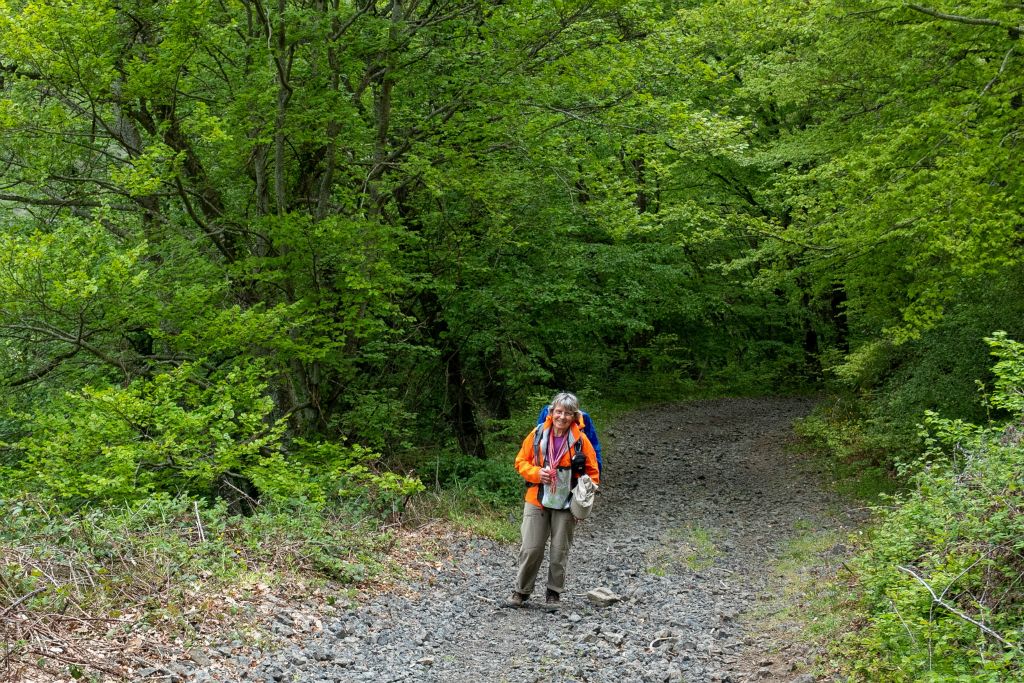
pixel 588 429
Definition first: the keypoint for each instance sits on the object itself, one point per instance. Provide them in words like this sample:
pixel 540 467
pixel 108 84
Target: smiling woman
pixel 552 459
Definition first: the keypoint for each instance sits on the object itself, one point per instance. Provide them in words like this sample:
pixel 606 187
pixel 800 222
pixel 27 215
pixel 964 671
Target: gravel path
pixel 699 499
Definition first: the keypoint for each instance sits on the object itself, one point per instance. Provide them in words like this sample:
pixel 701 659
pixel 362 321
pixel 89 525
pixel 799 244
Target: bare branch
pixel 875 10
pixel 1002 68
pixel 39 201
pixel 207 230
pixel 56 334
pixel 942 603
pixel 41 372
pixel 20 600
pixel 961 19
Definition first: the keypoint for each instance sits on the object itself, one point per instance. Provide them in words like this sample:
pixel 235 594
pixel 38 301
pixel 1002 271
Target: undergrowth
pixel 858 466
pixel 936 589
pixel 100 593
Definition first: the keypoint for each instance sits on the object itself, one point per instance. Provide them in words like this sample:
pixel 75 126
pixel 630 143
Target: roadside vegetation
pixel 934 587
pixel 103 592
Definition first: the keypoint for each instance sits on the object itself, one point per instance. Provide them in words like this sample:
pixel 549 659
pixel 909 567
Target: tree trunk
pixel 461 414
pixel 460 411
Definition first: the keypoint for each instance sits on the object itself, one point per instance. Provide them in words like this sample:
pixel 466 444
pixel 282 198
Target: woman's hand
pixel 546 475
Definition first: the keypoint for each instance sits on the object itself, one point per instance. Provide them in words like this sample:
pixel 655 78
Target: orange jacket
pixel 528 465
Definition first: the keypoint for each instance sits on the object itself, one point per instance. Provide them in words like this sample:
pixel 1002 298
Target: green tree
pixel 398 211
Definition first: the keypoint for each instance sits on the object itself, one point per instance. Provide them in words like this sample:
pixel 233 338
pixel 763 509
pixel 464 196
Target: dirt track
pixel 698 502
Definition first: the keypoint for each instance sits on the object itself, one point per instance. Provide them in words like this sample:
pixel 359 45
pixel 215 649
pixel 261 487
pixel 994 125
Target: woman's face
pixel 561 418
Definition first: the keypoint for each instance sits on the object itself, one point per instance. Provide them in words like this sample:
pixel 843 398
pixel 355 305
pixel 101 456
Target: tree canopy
pixel 388 224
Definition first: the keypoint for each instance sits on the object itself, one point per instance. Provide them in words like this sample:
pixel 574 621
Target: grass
pixel 812 591
pixel 862 481
pixel 467 512
pixel 814 594
pixel 687 548
pixel 811 603
pixel 701 550
pixel 488 526
pixel 181 572
pixel 804 548
pixel 839 447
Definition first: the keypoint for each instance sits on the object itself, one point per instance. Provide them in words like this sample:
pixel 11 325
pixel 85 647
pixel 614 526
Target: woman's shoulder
pixel 529 438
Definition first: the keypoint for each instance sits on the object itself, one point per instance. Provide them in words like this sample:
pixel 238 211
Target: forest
pixel 277 262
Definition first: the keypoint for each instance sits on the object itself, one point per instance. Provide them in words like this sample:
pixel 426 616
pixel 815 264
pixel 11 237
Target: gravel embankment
pixel 699 499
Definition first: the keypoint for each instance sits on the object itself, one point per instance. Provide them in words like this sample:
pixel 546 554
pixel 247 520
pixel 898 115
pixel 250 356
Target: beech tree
pixel 389 216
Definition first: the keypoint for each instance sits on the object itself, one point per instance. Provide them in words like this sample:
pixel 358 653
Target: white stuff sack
pixel 583 497
pixel 556 497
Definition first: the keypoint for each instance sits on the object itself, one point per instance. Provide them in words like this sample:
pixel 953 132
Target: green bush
pixel 185 433
pixel 492 480
pixel 942 577
pixel 353 476
pixel 178 432
pixel 885 388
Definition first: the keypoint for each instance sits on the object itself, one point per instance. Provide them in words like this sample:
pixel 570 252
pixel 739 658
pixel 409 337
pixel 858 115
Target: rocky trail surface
pixel 699 501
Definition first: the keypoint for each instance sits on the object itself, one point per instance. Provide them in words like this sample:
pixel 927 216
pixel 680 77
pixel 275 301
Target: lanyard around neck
pixel 553 457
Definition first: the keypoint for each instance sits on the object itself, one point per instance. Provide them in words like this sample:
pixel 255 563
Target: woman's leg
pixel 535 530
pixel 562 528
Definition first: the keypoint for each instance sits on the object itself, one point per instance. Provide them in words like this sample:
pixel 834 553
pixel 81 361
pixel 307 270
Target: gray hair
pixel 567 401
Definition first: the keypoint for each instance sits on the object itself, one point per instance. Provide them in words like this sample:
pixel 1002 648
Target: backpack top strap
pixel 537 436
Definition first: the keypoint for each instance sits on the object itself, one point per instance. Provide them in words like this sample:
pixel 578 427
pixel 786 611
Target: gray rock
pixel 614 638
pixel 603 597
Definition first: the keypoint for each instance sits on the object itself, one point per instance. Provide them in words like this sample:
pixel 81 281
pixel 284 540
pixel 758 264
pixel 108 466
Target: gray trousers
pixel 538 525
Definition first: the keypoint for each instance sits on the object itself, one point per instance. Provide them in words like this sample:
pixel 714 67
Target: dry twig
pixel 20 600
pixel 936 599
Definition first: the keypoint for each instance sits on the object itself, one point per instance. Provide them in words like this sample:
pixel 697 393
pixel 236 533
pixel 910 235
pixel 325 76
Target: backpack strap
pixel 537 436
pixel 577 448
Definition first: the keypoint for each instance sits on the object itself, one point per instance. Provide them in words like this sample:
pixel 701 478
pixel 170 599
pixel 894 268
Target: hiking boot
pixel 517 599
pixel 552 600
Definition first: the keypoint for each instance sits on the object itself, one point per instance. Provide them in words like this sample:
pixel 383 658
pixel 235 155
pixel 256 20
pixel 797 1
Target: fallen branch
pixel 942 603
pixel 20 600
pixel 83 662
pixel 199 522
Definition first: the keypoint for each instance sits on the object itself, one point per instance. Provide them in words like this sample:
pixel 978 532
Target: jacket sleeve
pixel 524 461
